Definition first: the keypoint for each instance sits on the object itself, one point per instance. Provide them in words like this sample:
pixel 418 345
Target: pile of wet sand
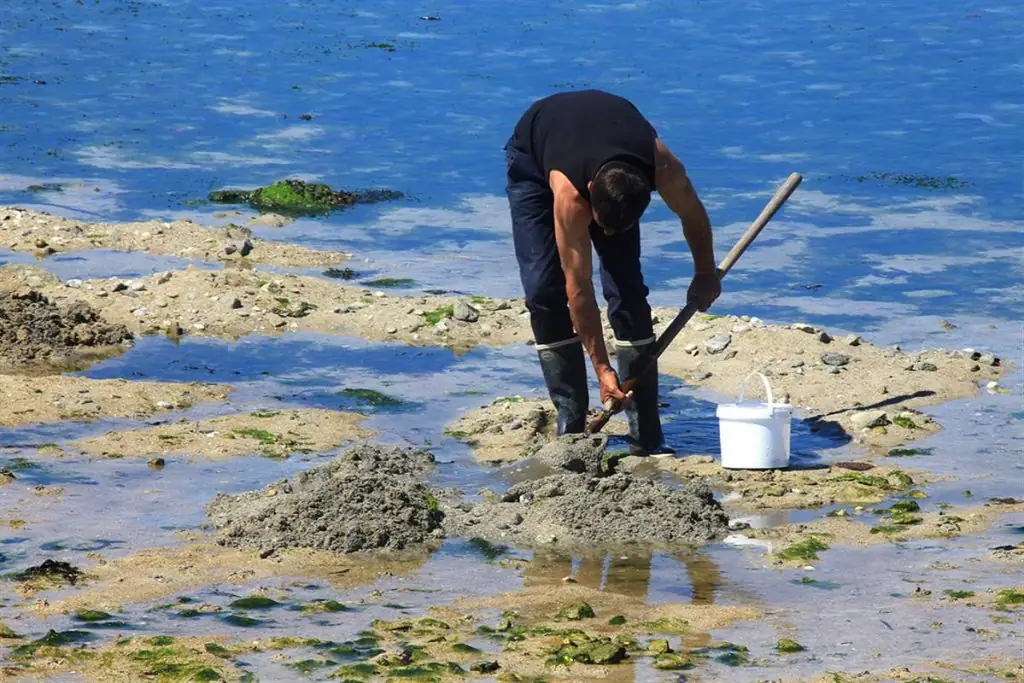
pixel 34 330
pixel 582 503
pixel 369 498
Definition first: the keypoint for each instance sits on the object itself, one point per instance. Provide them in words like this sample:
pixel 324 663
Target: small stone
pixel 246 248
pixel 736 525
pixel 230 249
pixel 837 360
pixel 803 327
pixel 992 386
pixel 199 326
pixel 691 349
pixel 832 370
pixel 485 330
pixel 926 367
pixel 973 367
pixel 120 287
pixel 391 329
pixel 867 419
pixel 740 329
pixel 718 343
pixel 851 340
pixel 796 363
pixel 441 327
pixel 825 338
pixel 701 376
pixel 163 278
pixel 465 313
pixel 137 286
pixel 74 283
pixel 164 405
pixel 156 463
pixel 730 354
pixel 41 244
pixel 988 359
pixel 236 303
pixel 971 353
pixel 514 425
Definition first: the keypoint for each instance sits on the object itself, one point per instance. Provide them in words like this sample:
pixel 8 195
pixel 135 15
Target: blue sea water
pixel 153 104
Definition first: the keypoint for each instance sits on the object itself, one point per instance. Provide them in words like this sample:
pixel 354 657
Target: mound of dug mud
pixel 35 330
pixel 369 498
pixel 583 503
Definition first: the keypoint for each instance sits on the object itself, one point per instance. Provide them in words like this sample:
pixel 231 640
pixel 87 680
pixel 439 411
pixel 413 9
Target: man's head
pixel 619 195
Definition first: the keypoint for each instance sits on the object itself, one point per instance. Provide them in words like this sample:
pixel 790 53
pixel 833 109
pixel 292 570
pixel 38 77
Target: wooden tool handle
pixel 612 406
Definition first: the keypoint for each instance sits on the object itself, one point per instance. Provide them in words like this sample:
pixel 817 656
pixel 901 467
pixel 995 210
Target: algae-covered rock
pixel 786 645
pixel 583 650
pixel 576 612
pixel 671 661
pixel 299 198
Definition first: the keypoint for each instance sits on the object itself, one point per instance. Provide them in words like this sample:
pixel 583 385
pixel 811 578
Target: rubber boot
pixel 644 422
pixel 565 373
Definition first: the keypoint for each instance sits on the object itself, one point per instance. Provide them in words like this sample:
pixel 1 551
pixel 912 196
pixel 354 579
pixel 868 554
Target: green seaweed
pixel 308 666
pixel 161 641
pixel 464 648
pixel 729 654
pixel 575 612
pixel 91 615
pixel 887 529
pixel 261 435
pixel 658 646
pixel 218 650
pixel 6 633
pixel 1009 597
pixel 814 583
pixel 905 422
pixel 489 550
pixel 507 399
pixel 900 507
pixel 671 661
pixel 391 282
pixel 617 620
pixel 242 620
pixel 958 595
pixel 370 397
pixel 804 550
pixel 438 314
pixel 341 273
pixel 583 650
pixel 909 452
pixel 918 494
pixel 670 626
pixel 265 413
pixel 254 602
pixel 610 461
pixel 298 198
pixel 787 646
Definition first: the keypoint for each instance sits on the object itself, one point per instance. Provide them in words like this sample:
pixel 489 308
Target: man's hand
pixel 704 289
pixel 610 388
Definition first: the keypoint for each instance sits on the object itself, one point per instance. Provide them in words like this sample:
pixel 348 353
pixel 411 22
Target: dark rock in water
pixel 370 497
pixel 855 466
pixel 298 198
pixel 51 570
pixel 836 360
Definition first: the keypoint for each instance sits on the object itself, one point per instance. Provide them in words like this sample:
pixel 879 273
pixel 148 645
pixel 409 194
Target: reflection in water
pixel 625 574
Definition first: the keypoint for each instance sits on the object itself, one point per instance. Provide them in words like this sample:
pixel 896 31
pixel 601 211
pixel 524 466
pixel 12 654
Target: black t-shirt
pixel 578 132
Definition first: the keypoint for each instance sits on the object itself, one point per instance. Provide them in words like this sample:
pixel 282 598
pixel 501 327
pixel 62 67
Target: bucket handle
pixel 767 388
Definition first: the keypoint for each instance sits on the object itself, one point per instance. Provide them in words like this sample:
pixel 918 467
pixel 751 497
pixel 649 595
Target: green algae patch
pixel 370 397
pixel 617 620
pixel 340 274
pixel 583 650
pixel 435 672
pixel 804 550
pixel 255 602
pixel 298 198
pixel 489 550
pixel 903 507
pixel 466 649
pixel 218 650
pixel 917 494
pixel 242 620
pixel 787 646
pixel 261 435
pixel 575 612
pixel 904 422
pixel 91 615
pixel 1009 598
pixel 324 606
pixel 52 641
pixel 908 452
pixel 896 480
pixel 357 672
pixel 729 654
pixel 815 583
pixel 887 529
pixel 671 661
pixel 438 314
pixel 6 633
pixel 959 595
pixel 308 666
pixel 670 626
pixel 391 283
pixel 658 646
pixel 488 667
pixel 610 460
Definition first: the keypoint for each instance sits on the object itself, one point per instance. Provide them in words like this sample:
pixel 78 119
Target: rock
pixel 971 353
pixel 736 525
pixel 796 363
pixel 718 343
pixel 236 303
pixel 157 463
pixel 391 329
pixel 441 327
pixel 465 313
pixel 199 326
pixel 74 283
pixel 230 249
pixel 120 287
pixel 740 329
pixel 851 340
pixel 926 367
pixel 867 419
pixel 837 360
pixel 271 220
pixel 803 327
pixel 137 287
pixel 832 370
pixel 988 359
pixel 973 367
pixel 164 405
pixel 246 248
pixel 701 376
pixel 730 354
pixel 825 338
pixel 691 349
pixel 992 386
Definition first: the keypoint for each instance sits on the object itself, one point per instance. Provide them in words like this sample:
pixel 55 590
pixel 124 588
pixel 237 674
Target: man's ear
pixel 589 183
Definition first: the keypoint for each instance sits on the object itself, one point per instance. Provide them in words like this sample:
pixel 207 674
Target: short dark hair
pixel 619 195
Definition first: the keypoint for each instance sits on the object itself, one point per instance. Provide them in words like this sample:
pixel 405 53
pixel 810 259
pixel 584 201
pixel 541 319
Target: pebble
pixel 972 354
pixel 164 405
pixel 832 370
pixel 796 363
pixel 718 343
pixel 199 326
pixel 851 340
pixel 465 313
pixel 825 338
pixel 691 349
pixel 163 278
pixel 120 287
pixel 737 525
pixel 803 327
pixel 992 386
pixel 988 359
pixel 700 377
pixel 729 355
pixel 140 312
pixel 514 425
pixel 246 248
pixel 837 360
pixel 157 463
pixel 740 329
pixel 441 327
pixel 973 367
pixel 74 283
pixel 391 329
pixel 230 249
pixel 236 303
pixel 926 367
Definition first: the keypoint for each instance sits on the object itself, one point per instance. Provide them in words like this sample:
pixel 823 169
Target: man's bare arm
pixel 674 186
pixel 572 235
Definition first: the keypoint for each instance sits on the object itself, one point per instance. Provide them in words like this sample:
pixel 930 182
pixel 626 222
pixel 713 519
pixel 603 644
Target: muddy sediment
pixel 47 399
pixel 272 433
pixel 37 334
pixel 581 504
pixel 44 234
pixel 368 498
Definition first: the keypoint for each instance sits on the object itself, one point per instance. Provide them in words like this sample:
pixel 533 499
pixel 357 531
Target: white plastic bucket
pixel 754 435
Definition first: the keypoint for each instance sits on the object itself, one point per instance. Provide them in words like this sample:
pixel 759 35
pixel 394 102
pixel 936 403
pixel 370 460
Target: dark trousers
pixel 531 203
